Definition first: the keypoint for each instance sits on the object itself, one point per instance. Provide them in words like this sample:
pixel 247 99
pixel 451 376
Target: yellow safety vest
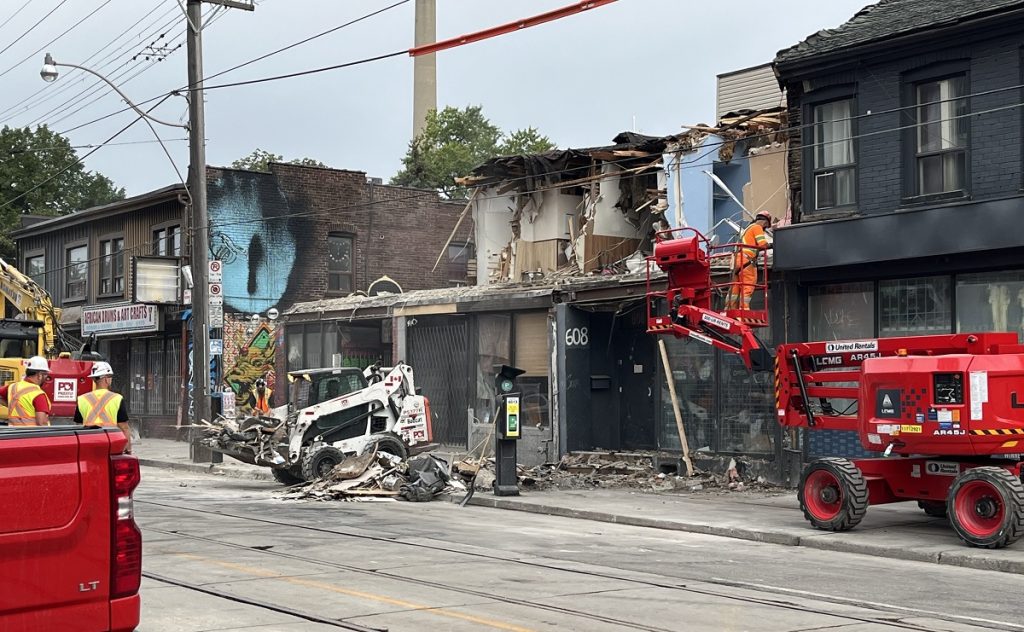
pixel 99 407
pixel 21 409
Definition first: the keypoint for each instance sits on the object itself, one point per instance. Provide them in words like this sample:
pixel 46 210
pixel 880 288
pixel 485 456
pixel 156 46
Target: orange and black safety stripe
pixel 999 431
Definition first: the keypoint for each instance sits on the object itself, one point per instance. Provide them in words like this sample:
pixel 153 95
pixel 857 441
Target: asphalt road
pixel 226 554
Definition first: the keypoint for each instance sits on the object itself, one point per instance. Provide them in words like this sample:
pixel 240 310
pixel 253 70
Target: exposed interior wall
pixel 768 187
pixel 491 214
pixel 608 219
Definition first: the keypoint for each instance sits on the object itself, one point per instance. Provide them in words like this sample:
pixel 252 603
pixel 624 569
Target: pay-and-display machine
pixel 508 422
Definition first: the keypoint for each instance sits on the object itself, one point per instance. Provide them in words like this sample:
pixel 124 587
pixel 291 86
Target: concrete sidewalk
pixel 900 531
pixel 174 455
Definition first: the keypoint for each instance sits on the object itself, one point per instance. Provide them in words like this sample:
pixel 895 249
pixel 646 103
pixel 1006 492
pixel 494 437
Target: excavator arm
pixel 33 303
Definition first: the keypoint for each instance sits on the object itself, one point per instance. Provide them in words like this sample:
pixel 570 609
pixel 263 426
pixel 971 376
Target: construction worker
pixel 745 262
pixel 102 407
pixel 27 404
pixel 259 397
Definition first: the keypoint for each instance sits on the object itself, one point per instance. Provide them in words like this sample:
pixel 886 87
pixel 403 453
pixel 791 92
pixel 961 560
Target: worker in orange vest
pixel 259 398
pixel 745 262
pixel 103 407
pixel 27 404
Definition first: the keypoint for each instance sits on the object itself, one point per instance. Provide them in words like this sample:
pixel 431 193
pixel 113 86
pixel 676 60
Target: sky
pixel 648 65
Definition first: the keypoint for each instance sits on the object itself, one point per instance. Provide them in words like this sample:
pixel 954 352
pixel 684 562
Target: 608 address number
pixel 577 337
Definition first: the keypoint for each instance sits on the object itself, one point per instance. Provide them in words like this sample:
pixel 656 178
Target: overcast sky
pixel 580 80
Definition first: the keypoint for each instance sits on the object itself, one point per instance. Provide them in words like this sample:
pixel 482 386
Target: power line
pixel 15 152
pixel 33 27
pixel 66 31
pixel 301 73
pixel 15 14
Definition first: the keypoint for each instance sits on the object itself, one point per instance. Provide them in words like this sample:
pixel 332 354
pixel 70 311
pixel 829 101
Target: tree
pixel 259 160
pixel 40 174
pixel 453 142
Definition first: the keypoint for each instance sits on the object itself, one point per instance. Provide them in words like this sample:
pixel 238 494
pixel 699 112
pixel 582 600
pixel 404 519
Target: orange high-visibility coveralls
pixel 745 265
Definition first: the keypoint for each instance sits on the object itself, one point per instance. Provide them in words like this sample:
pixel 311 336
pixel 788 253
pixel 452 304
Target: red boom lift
pixel 946 411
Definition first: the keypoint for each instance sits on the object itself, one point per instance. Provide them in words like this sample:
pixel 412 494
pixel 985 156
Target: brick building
pixel 299 234
pixel 905 177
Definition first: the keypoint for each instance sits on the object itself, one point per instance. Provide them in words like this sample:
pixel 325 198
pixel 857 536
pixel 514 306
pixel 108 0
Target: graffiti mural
pixel 248 354
pixel 253 230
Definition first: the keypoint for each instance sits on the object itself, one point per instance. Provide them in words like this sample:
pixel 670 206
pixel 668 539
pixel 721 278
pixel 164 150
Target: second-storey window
pixel 167 241
pixel 458 263
pixel 112 266
pixel 76 273
pixel 835 170
pixel 339 263
pixel 35 268
pixel 942 132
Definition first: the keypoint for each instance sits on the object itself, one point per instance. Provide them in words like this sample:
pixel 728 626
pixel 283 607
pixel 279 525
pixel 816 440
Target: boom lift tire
pixel 986 507
pixel 318 463
pixel 287 476
pixel 933 508
pixel 833 494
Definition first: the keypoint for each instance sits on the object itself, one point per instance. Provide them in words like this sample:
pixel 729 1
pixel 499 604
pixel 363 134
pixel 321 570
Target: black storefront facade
pixel 905 180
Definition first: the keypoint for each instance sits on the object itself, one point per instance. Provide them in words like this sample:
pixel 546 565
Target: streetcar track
pixel 260 604
pixel 895 621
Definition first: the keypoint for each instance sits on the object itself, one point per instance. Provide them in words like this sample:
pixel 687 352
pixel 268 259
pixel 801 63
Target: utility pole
pixel 201 393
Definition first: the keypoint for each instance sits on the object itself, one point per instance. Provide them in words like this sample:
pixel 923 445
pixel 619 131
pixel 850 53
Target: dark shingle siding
pixel 891 18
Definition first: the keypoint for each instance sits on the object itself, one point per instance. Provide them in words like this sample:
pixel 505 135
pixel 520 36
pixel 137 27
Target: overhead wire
pixel 100 64
pixel 15 14
pixel 33 27
pixel 78 23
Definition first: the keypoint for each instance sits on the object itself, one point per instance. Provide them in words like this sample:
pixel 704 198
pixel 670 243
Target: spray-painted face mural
pixel 252 233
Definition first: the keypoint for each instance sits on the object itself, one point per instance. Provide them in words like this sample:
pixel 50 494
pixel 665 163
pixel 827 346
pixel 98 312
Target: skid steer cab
pixel 332 414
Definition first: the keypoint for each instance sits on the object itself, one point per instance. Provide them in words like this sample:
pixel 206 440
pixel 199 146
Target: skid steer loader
pixel 331 414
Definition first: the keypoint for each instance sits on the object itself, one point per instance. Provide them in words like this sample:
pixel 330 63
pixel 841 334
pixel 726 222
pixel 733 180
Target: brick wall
pixel 271 230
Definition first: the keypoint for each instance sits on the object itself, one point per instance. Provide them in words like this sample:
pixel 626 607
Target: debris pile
pixel 378 475
pixel 610 470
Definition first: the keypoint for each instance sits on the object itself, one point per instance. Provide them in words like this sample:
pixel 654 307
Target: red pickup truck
pixel 70 551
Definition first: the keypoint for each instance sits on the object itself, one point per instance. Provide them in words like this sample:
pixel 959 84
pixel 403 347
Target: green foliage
pixel 30 161
pixel 453 142
pixel 259 160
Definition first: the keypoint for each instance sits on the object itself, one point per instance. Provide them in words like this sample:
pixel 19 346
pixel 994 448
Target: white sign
pixel 217 300
pixel 850 346
pixel 216 289
pixel 120 319
pixel 186 297
pixel 65 390
pixel 216 316
pixel 227 403
pixel 716 321
pixel 216 274
pixel 216 346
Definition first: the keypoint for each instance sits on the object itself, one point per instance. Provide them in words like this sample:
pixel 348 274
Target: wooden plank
pixel 670 378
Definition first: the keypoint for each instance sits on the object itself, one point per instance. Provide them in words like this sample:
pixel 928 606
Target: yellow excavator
pixel 36 330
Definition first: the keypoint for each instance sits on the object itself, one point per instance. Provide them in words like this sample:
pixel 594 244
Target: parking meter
pixel 508 429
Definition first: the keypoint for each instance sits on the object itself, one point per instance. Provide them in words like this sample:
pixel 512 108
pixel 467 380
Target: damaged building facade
pixel 559 243
pixel 905 178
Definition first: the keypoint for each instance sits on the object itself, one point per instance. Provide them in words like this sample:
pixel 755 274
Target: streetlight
pixel 196 188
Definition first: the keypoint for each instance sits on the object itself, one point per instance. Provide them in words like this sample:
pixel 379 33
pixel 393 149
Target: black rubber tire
pixel 933 508
pixel 851 502
pixel 318 463
pixel 286 476
pixel 392 445
pixel 1010 494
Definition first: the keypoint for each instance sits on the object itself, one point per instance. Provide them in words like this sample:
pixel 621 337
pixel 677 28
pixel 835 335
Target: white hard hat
pixel 101 369
pixel 37 363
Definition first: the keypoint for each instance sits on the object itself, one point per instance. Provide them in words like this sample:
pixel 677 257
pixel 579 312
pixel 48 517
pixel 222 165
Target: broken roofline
pixel 630 148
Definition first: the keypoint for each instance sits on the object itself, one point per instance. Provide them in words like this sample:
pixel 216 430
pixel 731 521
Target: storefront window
pixel 842 311
pixel 494 344
pixel 693 368
pixel 990 301
pixel 914 307
pixel 530 353
pixel 154 384
pixel 295 348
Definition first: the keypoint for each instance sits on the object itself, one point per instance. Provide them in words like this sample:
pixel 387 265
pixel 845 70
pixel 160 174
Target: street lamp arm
pixel 124 96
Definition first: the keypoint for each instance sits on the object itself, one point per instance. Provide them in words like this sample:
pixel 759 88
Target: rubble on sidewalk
pixel 609 470
pixel 376 476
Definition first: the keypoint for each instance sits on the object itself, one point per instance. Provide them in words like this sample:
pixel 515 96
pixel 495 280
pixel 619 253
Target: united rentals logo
pixel 850 346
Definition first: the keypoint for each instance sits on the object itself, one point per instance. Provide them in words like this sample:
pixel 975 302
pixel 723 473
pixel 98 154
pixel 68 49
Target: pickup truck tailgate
pixel 55 529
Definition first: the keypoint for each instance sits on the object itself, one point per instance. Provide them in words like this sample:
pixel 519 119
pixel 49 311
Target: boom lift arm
pixel 34 302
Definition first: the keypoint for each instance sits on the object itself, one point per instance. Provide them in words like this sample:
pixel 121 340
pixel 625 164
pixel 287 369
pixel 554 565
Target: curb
pixel 964 559
pixel 257 473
